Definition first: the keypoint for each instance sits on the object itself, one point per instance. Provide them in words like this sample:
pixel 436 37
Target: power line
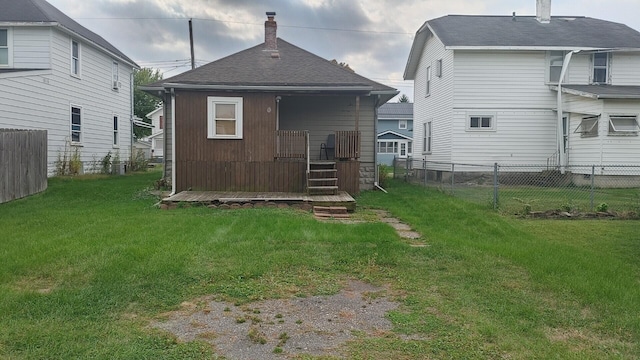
pixel 249 23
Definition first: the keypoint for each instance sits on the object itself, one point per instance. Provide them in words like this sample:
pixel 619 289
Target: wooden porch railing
pixel 291 144
pixel 347 145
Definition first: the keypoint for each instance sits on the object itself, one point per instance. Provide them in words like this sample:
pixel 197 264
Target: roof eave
pixel 419 40
pixel 266 88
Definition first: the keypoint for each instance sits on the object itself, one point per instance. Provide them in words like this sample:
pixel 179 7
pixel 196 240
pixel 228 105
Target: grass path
pixel 86 265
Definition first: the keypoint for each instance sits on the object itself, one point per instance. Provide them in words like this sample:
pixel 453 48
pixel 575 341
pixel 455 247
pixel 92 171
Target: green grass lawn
pixel 86 265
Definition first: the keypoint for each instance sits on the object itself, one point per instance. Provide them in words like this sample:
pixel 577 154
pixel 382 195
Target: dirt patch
pixel 277 329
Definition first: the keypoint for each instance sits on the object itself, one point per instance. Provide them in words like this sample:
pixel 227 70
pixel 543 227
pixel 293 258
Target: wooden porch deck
pixel 342 198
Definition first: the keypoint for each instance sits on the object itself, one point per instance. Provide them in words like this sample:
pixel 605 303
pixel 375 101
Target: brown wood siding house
pixel 256 120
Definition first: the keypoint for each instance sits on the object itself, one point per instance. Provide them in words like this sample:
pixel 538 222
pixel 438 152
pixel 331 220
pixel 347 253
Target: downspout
pixel 131 104
pixel 375 147
pixel 562 156
pixel 173 142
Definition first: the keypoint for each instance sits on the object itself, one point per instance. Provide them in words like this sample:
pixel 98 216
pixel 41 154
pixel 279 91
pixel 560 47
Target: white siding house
pixel 156 138
pixel 58 76
pixel 486 90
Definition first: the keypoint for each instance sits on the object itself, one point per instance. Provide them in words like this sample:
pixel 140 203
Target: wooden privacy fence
pixel 347 144
pixel 291 144
pixel 23 163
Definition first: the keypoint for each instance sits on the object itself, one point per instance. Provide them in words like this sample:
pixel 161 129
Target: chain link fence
pixel 532 189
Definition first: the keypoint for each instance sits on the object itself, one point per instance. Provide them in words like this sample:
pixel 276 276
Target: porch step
pixel 334 179
pixel 322 179
pixel 331 212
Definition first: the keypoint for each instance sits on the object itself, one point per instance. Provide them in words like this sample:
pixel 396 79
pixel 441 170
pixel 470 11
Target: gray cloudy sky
pixel 373 36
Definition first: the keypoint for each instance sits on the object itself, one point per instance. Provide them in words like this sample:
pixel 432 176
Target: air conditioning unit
pixel 117 85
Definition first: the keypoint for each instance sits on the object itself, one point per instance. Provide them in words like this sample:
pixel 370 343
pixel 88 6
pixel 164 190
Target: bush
pixel 384 174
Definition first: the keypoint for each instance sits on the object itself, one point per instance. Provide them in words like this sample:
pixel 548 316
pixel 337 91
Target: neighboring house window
pixel 600 67
pixel 161 122
pixel 426 138
pixel 588 126
pixel 428 84
pixel 623 125
pixel 4 47
pixel 115 130
pixel 402 124
pixel 114 76
pixel 387 147
pixel 481 122
pixel 224 117
pixel 76 124
pixel 439 68
pixel 556 59
pixel 75 58
pixel 409 148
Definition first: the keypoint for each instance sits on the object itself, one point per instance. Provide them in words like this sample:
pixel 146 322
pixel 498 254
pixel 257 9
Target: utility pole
pixel 193 58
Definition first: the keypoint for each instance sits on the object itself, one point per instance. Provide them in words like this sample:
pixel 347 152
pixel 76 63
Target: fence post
pixel 495 186
pixel 452 176
pixel 424 166
pixel 593 173
pixel 406 169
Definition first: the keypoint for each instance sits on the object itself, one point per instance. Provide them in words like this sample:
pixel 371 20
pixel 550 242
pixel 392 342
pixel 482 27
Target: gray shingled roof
pixel 40 11
pixel 396 110
pixel 562 31
pixel 604 91
pixel 257 67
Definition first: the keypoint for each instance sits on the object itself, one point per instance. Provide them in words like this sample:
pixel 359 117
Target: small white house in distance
pixel 59 76
pixel 157 133
pixel 395 132
pixel 526 90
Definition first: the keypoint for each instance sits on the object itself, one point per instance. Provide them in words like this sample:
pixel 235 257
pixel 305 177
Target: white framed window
pixel 76 124
pixel 481 123
pixel 115 131
pixel 387 147
pixel 224 117
pixel 439 68
pixel 588 126
pixel 75 58
pixel 5 48
pixel 556 59
pixel 402 124
pixel 409 148
pixel 115 76
pixel 426 138
pixel 427 90
pixel 600 68
pixel 623 125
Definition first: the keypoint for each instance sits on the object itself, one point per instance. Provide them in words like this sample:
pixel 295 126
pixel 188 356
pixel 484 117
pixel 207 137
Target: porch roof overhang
pixel 599 92
pixel 363 90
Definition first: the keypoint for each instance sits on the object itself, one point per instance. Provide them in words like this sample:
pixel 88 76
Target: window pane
pixel 4 56
pixel 3 37
pixel 225 127
pixel 75 136
pixel 115 123
pixel 74 49
pixel 486 122
pixel 624 124
pixel 600 59
pixel 75 127
pixel 225 111
pixel 600 75
pixel 475 122
pixel 554 73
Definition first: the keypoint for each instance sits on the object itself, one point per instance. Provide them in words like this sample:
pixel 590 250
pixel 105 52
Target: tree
pixel 403 99
pixel 144 103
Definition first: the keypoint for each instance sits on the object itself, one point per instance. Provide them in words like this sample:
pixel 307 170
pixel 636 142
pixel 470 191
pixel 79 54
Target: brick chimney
pixel 543 11
pixel 270 27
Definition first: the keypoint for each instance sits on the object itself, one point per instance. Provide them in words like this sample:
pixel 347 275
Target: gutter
pixel 364 88
pixel 376 171
pixel 560 129
pixel 173 142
